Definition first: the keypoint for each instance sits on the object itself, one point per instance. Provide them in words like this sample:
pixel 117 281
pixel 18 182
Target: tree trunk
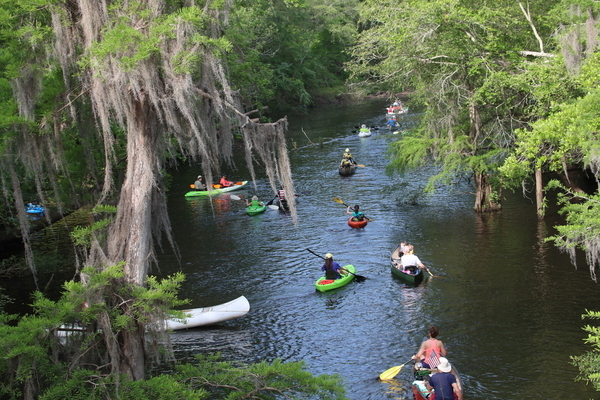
pixel 130 239
pixel 485 199
pixel 539 193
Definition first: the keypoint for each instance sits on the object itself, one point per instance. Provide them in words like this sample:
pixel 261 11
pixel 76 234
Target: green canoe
pixel 344 280
pixel 254 210
pixel 236 186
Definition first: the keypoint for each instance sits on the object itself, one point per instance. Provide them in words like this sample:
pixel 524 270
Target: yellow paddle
pixel 392 372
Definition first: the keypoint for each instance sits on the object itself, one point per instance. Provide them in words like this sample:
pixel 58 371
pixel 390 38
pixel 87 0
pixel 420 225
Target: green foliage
pixel 582 225
pixel 263 380
pixel 83 235
pixel 589 363
pixel 284 52
pixel 207 378
pixel 34 350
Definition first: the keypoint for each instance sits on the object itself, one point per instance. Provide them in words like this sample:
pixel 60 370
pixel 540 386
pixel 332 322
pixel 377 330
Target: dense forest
pixel 101 97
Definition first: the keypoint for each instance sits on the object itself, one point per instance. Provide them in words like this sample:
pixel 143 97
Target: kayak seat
pixel 332 275
pixel 326 281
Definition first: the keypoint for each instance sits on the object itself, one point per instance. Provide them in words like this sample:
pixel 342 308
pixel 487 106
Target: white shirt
pixel 410 260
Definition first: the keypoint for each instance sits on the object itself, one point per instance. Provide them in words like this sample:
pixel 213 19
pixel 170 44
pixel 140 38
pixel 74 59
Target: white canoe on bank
pixel 195 317
pixel 211 315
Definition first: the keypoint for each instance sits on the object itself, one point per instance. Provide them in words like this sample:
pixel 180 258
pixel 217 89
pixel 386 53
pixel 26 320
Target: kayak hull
pixel 255 210
pixel 236 186
pixel 211 315
pixel 357 224
pixel 413 279
pixel 322 286
pixel 347 170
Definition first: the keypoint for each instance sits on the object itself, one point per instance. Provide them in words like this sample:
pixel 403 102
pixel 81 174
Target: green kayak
pixel 254 210
pixel 324 285
pixel 236 186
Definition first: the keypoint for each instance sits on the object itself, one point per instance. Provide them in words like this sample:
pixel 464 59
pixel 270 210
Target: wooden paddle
pixel 338 200
pixel 359 278
pixel 392 372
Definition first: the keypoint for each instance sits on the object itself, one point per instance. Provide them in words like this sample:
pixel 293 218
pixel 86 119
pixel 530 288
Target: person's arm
pixel 442 349
pixel 422 266
pixel 348 211
pixel 420 352
pixel 457 391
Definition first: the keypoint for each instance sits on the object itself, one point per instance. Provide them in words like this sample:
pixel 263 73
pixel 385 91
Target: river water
pixel 508 305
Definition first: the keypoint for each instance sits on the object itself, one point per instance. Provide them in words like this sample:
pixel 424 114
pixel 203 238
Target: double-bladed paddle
pixel 392 372
pixel 338 200
pixel 359 278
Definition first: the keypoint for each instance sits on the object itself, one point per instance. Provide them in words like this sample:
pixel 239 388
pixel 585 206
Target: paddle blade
pixel 192 186
pixel 360 278
pixel 361 165
pixel 338 200
pixel 234 197
pixel 273 207
pixel 390 373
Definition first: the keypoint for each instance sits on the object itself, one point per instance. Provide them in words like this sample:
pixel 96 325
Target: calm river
pixel 508 305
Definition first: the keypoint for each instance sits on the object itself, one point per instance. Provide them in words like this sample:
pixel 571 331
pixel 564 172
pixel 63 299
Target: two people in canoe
pixel 432 355
pixel 409 262
pixel 199 184
pixel 347 159
pixel 357 215
pixel 333 270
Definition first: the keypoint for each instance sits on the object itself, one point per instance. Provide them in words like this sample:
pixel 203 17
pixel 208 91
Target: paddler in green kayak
pixel 332 269
pixel 254 202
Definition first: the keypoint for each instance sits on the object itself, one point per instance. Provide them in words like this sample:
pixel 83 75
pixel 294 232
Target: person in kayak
pixel 356 214
pixel 254 202
pixel 224 182
pixel 392 123
pixel 332 269
pixel 199 184
pixel 364 129
pixel 431 350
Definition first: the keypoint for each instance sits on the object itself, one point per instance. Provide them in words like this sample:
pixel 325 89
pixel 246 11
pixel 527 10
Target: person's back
pixel 281 194
pixel 442 384
pixel 331 268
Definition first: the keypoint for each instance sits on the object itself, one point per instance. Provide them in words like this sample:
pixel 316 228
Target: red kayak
pixel 357 224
